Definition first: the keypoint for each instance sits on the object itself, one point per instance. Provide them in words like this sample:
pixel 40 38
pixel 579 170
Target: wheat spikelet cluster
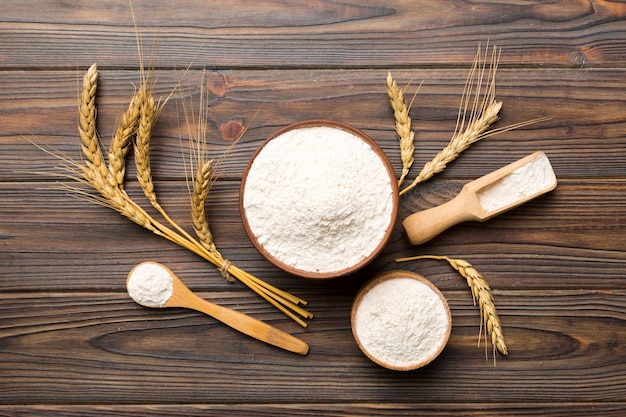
pixel 482 295
pixel 87 124
pixel 459 143
pixel 201 187
pixel 106 186
pixel 121 144
pixel 147 119
pixel 201 173
pixel 403 125
pixel 477 112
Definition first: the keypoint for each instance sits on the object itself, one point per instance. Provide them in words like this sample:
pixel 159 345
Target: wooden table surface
pixel 73 343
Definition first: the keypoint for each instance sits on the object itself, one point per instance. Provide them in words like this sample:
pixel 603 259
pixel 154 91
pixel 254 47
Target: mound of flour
pixel 318 199
pixel 401 322
pixel 150 285
pixel 527 180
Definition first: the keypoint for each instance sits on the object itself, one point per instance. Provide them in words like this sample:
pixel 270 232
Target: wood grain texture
pixel 119 352
pixel 584 137
pixel 547 243
pixel 314 410
pixel 73 343
pixel 314 33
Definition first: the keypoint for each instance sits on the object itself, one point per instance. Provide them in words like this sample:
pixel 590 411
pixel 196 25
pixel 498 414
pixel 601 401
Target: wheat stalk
pixel 199 192
pixel 201 187
pixel 403 125
pixel 481 293
pixel 147 119
pixel 105 190
pixel 90 143
pixel 122 141
pixel 477 112
pixel 457 145
pixel 148 114
pixel 204 172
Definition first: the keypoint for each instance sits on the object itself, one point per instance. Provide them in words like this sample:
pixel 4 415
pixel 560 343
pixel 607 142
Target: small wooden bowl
pixel 351 268
pixel 406 365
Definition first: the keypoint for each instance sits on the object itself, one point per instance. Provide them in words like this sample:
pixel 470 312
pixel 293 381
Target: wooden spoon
pixel 471 203
pixel 182 296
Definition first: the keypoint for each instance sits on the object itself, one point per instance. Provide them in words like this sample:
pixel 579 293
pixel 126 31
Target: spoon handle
pixel 424 225
pixel 246 324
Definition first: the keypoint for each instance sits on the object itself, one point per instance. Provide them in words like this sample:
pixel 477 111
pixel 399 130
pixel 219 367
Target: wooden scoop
pixel 182 296
pixel 486 197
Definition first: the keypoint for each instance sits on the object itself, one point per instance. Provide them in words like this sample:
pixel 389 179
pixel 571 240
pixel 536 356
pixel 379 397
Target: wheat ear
pixel 90 143
pixel 457 145
pixel 201 187
pixel 147 119
pixel 122 141
pixel 148 115
pixel 95 174
pixel 481 293
pixel 204 175
pixel 403 125
pixel 477 112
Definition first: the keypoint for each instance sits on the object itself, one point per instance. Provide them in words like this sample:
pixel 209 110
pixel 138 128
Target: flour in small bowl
pixel 318 199
pixel 150 285
pixel 401 322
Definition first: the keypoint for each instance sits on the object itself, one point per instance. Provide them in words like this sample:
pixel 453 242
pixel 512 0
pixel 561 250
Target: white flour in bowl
pixel 150 285
pixel 527 180
pixel 401 322
pixel 318 199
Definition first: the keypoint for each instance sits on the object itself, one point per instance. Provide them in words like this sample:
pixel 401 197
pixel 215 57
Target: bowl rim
pixel 386 276
pixel 395 199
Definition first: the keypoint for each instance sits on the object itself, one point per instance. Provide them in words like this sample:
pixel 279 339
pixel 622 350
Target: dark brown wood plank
pixel 53 241
pixel 320 410
pixel 313 33
pixel 59 348
pixel 584 138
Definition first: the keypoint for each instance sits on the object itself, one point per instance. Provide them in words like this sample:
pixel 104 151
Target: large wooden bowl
pixel 350 268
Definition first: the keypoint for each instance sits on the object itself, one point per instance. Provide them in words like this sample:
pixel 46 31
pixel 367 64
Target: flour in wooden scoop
pixel 318 199
pixel 526 181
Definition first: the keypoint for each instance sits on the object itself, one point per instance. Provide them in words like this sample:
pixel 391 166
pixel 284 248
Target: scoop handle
pixel 424 225
pixel 247 325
